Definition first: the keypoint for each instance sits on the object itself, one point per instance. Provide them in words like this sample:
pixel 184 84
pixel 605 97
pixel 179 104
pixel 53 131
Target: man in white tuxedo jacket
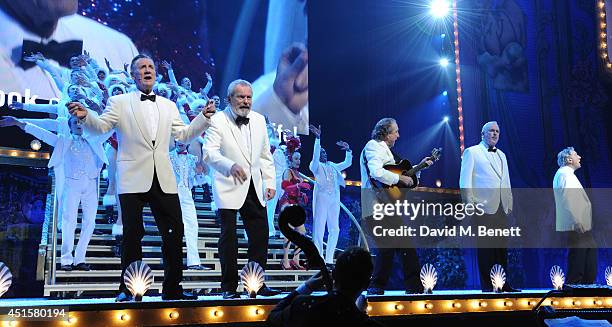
pixel 145 124
pixel 485 180
pixel 574 218
pixel 237 148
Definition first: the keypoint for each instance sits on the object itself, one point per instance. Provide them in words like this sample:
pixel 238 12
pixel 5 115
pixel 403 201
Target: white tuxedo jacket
pixel 481 180
pixel 571 201
pixel 137 157
pixel 224 146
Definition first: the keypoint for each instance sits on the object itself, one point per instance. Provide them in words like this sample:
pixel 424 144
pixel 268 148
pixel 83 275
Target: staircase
pixel 103 279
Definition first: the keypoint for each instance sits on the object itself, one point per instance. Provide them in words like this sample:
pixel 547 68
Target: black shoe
pixel 180 296
pixel 124 297
pixel 66 267
pixel 266 291
pixel 510 289
pixel 375 291
pixel 198 267
pixel 230 295
pixel 411 291
pixel 82 266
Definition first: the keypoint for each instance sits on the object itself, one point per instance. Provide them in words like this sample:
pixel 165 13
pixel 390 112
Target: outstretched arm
pixel 316 152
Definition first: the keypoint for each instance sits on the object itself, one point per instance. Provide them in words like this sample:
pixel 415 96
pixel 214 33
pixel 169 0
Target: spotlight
pixel 138 278
pixel 444 62
pixel 6 278
pixel 445 119
pixel 442 35
pixel 445 93
pixel 252 276
pixel 438 183
pixel 439 8
pixel 429 277
pixel 35 145
pixel 557 277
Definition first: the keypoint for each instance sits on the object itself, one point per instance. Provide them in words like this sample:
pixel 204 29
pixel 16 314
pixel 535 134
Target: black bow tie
pixel 60 52
pixel 491 149
pixel 144 97
pixel 241 120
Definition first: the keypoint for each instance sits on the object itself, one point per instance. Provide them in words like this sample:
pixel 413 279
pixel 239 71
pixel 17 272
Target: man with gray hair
pixel 485 180
pixel 375 155
pixel 237 148
pixel 574 217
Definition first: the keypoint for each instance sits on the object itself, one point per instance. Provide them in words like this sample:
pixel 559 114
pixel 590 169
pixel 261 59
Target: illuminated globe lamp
pixel 6 278
pixel 252 277
pixel 498 278
pixel 138 278
pixel 557 277
pixel 35 145
pixel 429 277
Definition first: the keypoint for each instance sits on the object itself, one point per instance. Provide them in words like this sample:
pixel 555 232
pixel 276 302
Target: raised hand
pixel 77 109
pixel 166 65
pixel 291 83
pixel 343 146
pixel 210 108
pixel 34 57
pixel 16 106
pixel 315 131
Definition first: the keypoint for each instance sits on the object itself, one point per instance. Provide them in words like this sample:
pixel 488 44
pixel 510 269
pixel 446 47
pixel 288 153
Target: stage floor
pixel 214 309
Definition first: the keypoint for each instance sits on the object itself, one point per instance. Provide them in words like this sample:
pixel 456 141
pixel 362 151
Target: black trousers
pixel 489 256
pixel 383 265
pixel 166 209
pixel 581 258
pixel 255 221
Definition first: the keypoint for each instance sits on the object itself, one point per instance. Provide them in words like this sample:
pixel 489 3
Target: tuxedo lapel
pixel 237 134
pixel 492 163
pixel 161 115
pixel 140 118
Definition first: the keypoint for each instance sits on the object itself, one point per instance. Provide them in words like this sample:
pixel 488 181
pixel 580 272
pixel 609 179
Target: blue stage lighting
pixel 444 62
pixel 445 119
pixel 439 8
pixel 443 35
pixel 445 93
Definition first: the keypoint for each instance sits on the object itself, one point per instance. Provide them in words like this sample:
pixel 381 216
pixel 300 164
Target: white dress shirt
pixel 245 130
pixel 152 113
pixel 80 161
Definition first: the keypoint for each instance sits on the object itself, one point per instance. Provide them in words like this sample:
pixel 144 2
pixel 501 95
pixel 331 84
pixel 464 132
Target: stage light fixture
pixel 445 93
pixel 35 145
pixel 609 275
pixel 439 8
pixel 138 278
pixel 443 35
pixel 438 183
pixel 429 277
pixel 6 278
pixel 557 277
pixel 498 278
pixel 173 315
pixel 445 119
pixel 252 276
pixel 443 62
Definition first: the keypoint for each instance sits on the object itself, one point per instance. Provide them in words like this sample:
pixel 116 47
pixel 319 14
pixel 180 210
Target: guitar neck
pixel 416 169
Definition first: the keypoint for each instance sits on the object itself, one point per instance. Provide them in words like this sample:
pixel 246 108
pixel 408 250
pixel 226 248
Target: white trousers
pixel 326 210
pixel 190 221
pixel 85 192
pixel 271 208
pixel 111 156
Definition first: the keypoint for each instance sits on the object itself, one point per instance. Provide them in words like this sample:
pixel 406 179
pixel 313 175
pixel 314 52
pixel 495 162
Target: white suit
pixel 378 155
pixel 571 201
pixel 224 146
pixel 184 169
pixel 137 157
pixel 81 187
pixel 485 178
pixel 326 199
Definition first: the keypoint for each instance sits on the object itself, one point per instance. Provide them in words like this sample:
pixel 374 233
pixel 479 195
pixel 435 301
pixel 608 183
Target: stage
pixel 392 308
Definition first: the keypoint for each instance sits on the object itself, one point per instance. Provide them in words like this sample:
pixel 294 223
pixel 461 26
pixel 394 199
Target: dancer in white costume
pixel 326 194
